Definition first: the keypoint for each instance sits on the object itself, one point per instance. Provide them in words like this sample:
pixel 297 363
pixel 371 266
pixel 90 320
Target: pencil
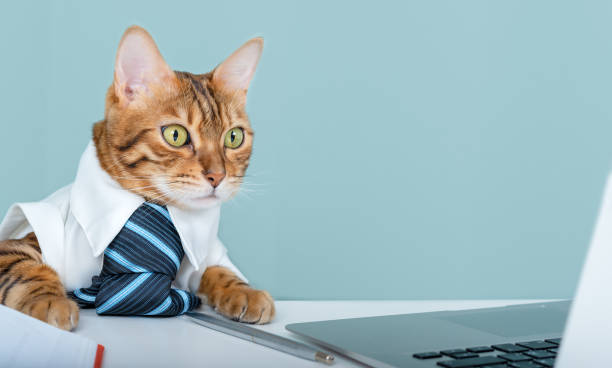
pixel 260 337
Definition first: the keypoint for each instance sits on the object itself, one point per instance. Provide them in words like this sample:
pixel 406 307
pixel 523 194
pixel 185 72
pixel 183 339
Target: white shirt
pixel 75 225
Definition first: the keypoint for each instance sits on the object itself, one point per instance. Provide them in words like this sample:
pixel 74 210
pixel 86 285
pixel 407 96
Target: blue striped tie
pixel 139 267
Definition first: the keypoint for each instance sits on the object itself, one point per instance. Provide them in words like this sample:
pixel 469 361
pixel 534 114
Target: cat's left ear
pixel 235 73
pixel 139 66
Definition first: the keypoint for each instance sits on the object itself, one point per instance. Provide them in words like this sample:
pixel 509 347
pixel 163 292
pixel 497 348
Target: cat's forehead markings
pixel 172 111
pixel 189 110
pixel 200 97
pixel 206 112
pixel 189 113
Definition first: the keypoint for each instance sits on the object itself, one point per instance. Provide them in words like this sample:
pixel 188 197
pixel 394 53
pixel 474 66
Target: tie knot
pixel 148 242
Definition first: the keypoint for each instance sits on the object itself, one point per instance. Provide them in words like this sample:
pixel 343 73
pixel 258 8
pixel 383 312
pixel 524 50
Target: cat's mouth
pixel 204 200
pixel 208 196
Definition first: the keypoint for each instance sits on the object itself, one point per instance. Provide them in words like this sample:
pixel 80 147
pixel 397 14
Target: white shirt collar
pixel 102 207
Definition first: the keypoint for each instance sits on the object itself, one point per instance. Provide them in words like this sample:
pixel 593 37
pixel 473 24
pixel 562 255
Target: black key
pixel 536 345
pixel 509 348
pixel 546 362
pixel 554 350
pixel 464 355
pixel 471 362
pixel 525 365
pixel 452 351
pixel 554 341
pixel 515 357
pixel 540 354
pixel 480 349
pixel 429 355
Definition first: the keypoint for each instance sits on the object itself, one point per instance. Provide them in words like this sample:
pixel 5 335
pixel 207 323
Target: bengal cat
pixel 209 145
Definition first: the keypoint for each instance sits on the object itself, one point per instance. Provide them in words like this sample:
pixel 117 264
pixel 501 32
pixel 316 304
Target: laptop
pixel 562 334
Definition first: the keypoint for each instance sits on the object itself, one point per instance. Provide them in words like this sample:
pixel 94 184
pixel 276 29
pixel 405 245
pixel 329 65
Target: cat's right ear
pixel 139 66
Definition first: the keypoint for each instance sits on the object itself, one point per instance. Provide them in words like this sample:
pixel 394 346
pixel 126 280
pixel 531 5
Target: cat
pixel 196 161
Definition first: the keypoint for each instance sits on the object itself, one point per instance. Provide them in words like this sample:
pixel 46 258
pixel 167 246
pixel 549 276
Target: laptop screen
pixel 588 332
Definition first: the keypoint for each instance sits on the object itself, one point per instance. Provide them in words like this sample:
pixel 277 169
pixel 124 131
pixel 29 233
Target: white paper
pixel 28 342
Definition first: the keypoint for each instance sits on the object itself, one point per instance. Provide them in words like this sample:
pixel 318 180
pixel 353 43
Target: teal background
pixel 404 150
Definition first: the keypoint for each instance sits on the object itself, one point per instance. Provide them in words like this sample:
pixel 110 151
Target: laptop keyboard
pixel 527 354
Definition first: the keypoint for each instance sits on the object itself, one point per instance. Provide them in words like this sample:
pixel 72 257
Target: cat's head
pixel 175 137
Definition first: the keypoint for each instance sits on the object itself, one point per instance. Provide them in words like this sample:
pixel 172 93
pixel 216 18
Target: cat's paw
pixel 57 311
pixel 246 305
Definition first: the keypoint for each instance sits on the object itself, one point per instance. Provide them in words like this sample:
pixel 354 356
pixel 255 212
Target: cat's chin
pixel 199 203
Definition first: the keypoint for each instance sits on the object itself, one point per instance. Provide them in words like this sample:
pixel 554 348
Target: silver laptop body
pixel 391 341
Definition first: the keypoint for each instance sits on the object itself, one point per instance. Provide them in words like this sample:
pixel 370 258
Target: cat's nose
pixel 214 178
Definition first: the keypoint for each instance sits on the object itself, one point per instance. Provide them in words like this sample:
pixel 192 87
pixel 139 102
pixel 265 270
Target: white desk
pixel 177 342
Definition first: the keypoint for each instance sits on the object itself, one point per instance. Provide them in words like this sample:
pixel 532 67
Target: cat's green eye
pixel 234 138
pixel 176 135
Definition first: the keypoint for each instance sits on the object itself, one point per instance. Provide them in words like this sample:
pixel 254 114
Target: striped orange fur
pixel 131 149
pixel 30 286
pixel 234 298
